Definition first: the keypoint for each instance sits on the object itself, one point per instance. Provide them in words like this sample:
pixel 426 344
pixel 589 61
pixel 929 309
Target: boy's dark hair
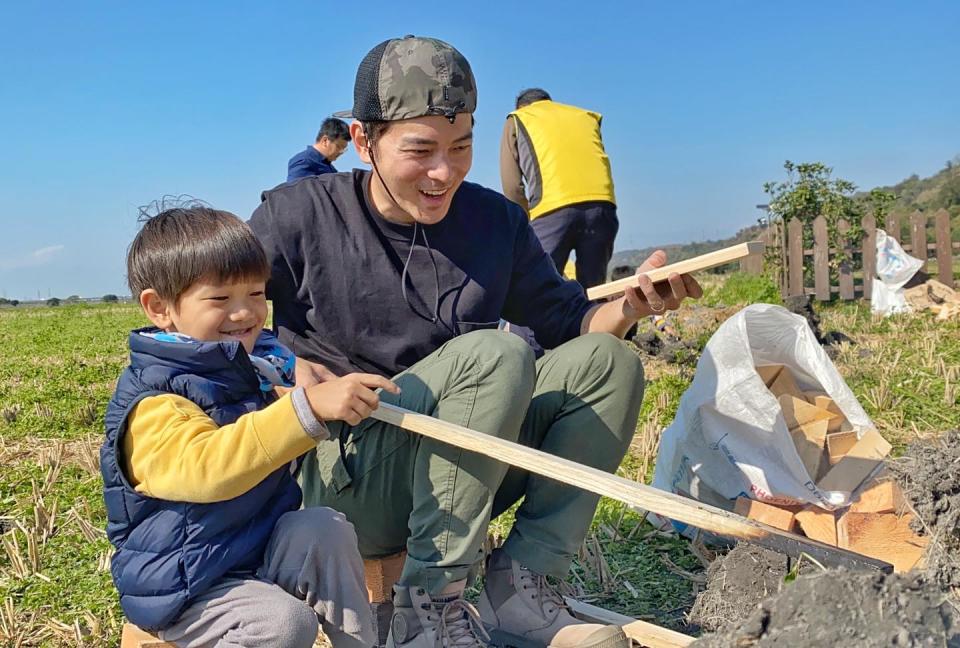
pixel 334 129
pixel 530 95
pixel 188 240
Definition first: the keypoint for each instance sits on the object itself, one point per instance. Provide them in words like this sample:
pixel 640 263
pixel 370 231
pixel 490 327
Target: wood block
pixel 809 440
pixel 825 402
pixel 860 462
pixel 381 575
pixel 885 536
pixel 769 373
pixel 880 496
pixel 687 266
pixel 839 444
pixel 133 637
pixel 766 513
pixel 818 524
pixel 784 383
pixel 797 412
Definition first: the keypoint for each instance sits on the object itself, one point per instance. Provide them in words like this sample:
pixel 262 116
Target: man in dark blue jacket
pixel 318 158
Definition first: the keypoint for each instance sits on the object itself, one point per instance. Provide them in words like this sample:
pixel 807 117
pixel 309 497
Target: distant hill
pixel 941 190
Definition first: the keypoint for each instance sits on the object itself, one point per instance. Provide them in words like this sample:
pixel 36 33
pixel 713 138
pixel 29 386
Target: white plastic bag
pixel 729 438
pixel 894 268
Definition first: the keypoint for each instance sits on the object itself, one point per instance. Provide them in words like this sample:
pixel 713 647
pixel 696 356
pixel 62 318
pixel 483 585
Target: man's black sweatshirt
pixel 336 268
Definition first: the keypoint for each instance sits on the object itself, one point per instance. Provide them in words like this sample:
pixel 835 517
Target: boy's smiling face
pixel 212 311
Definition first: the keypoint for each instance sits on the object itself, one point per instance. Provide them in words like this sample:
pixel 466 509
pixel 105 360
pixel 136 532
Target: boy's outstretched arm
pixel 174 451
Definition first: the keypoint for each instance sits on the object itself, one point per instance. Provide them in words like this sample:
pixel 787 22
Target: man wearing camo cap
pixel 405 271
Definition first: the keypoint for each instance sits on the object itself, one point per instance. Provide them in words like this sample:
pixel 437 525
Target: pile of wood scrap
pixel 877 522
pixel 933 296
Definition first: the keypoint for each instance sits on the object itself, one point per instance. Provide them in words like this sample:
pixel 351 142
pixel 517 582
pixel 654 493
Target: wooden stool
pixel 134 637
pixel 382 574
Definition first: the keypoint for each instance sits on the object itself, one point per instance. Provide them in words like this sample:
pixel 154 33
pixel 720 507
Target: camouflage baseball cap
pixel 408 77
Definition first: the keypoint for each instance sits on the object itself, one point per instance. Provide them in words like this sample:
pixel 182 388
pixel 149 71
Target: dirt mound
pixel 842 608
pixel 929 474
pixel 746 602
pixel 736 584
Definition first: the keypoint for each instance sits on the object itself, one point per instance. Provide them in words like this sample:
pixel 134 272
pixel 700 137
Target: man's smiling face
pixel 422 163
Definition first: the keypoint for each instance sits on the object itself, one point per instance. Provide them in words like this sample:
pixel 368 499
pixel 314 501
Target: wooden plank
pixel 688 266
pixel 785 385
pixel 823 401
pixel 818 524
pixel 780 232
pixel 846 267
pixel 821 260
pixel 869 224
pixel 810 439
pixel 132 636
pixel 892 228
pixel 794 257
pixel 768 373
pixel 918 237
pixel 865 457
pixel 884 536
pixel 941 223
pixel 645 634
pixel 763 512
pixel 839 444
pixel 881 496
pixel 797 411
pixel 753 264
pixel 640 496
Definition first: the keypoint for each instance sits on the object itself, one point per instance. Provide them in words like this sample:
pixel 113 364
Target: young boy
pixel 202 503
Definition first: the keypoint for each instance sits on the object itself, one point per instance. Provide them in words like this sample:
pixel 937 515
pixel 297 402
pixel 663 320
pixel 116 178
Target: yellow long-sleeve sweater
pixel 174 451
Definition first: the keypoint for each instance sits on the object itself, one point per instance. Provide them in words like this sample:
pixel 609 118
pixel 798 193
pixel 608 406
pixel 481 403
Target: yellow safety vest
pixel 573 164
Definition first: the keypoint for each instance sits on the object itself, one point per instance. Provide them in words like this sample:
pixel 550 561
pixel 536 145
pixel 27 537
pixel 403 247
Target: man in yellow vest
pixel 553 164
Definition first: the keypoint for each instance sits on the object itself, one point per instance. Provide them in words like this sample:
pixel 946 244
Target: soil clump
pixel 929 475
pixel 843 608
pixel 737 582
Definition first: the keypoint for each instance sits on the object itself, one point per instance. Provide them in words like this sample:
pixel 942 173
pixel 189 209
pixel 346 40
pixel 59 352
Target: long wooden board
pixel 648 635
pixel 702 262
pixel 675 507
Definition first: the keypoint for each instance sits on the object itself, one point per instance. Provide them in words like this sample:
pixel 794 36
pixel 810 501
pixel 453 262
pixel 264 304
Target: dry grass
pixel 54 563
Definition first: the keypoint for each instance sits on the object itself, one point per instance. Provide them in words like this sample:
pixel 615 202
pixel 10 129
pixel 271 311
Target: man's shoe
pixel 522 610
pixel 421 622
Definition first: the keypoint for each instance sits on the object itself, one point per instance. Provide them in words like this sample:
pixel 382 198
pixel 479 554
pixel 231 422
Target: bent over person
pixel 405 271
pixel 554 165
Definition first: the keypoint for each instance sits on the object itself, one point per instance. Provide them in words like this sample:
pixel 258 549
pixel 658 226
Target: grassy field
pixel 58 372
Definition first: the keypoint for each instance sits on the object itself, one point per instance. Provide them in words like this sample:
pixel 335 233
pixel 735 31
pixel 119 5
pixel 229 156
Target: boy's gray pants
pixel 312 575
pixel 402 491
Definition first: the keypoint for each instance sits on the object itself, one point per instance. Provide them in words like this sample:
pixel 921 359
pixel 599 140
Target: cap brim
pixel 344 114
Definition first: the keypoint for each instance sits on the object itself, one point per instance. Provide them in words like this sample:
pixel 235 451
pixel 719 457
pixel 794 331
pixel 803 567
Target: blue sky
pixel 105 106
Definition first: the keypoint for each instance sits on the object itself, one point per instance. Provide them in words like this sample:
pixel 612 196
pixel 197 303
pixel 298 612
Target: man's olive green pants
pixel 580 401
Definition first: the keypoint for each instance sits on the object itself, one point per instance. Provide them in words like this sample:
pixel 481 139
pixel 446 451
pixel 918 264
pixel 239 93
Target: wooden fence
pixel 854 277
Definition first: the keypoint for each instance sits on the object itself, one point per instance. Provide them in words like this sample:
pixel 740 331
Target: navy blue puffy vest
pixel 167 553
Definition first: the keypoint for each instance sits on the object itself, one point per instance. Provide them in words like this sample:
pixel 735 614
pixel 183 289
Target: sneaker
pixel 522 610
pixel 421 622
